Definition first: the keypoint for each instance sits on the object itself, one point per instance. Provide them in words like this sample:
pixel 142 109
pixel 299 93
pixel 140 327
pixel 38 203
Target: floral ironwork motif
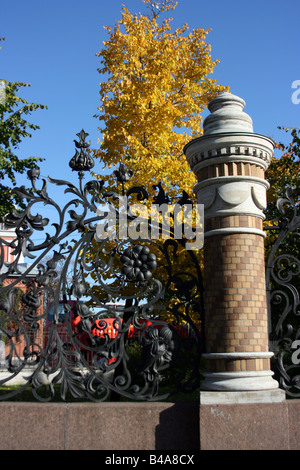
pixel 283 289
pixel 157 353
pixel 82 161
pixel 138 263
pixel 113 314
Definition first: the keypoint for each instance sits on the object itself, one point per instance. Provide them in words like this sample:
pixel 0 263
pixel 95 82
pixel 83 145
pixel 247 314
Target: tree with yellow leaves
pixel 158 84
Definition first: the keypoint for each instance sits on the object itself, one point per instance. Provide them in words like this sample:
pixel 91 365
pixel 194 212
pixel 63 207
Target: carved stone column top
pixel 228 136
pixel 229 147
pixel 227 115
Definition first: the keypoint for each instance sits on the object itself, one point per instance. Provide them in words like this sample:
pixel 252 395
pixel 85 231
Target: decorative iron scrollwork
pixel 115 315
pixel 283 288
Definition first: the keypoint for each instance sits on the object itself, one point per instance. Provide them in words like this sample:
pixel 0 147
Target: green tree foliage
pixel 14 127
pixel 284 174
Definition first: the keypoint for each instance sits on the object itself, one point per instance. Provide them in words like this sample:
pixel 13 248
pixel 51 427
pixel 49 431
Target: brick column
pixel 230 162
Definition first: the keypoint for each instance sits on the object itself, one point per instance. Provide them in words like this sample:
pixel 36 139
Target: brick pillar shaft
pixel 237 296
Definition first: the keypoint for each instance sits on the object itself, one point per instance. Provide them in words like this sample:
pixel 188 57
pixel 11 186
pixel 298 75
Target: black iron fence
pixel 105 314
pixel 283 288
pixel 119 310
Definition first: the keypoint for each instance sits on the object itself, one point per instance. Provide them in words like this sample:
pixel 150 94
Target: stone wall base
pixel 179 427
pixel 99 426
pixel 252 426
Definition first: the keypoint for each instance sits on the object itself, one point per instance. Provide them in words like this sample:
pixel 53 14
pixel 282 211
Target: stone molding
pixel 232 195
pixel 236 146
pixel 239 381
pixel 232 356
pixel 245 397
pixel 238 361
pixel 230 230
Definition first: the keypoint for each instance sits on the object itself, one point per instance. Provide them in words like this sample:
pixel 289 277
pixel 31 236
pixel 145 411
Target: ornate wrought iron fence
pixel 283 288
pixel 132 299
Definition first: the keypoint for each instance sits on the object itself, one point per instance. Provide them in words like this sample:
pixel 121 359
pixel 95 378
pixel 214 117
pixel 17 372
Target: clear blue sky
pixel 53 46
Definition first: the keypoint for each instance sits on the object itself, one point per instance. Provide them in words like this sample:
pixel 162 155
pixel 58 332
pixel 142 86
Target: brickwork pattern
pixel 236 311
pixel 237 365
pixel 233 168
pixel 233 221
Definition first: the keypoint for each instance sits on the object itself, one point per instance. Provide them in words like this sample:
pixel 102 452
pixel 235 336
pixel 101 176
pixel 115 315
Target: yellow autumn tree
pixel 157 82
pixel 151 103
